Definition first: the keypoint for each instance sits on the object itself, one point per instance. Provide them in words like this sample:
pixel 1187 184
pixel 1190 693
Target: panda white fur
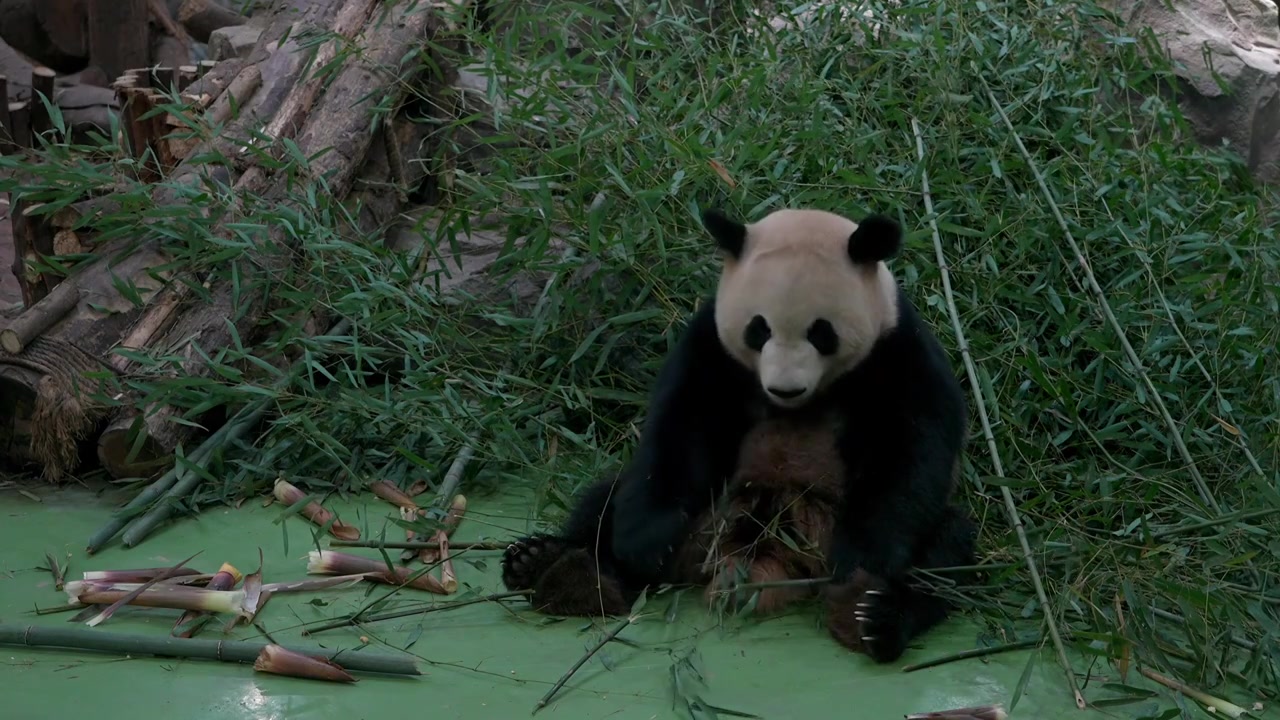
pixel 807 393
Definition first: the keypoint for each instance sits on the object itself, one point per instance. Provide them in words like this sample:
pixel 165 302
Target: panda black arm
pixel 688 446
pixel 902 459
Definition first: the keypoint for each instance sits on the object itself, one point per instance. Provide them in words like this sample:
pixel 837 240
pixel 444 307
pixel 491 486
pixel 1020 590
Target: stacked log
pixel 129 297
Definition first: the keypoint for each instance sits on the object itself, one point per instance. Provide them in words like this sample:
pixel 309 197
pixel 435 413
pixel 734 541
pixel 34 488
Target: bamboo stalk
pixel 1196 478
pixel 1010 506
pixel 149 495
pixel 612 634
pixel 231 431
pixel 186 480
pixel 240 651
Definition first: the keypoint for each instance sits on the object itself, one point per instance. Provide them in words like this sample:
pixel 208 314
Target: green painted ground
pixel 481 661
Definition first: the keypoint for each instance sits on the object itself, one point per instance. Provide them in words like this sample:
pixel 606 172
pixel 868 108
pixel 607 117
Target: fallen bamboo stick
pixel 240 651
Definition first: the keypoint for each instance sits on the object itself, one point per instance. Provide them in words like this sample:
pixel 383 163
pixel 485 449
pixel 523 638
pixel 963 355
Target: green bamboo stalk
pixel 141 501
pixel 187 479
pixel 1010 506
pixel 241 651
pixel 1175 431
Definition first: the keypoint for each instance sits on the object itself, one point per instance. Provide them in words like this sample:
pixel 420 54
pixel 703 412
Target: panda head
pixel 803 296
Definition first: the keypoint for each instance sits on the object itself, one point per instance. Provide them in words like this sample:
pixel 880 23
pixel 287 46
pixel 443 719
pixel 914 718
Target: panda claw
pixel 875 592
pixel 868 638
pixel 865 605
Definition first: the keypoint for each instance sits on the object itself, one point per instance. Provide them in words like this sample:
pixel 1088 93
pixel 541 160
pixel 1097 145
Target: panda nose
pixel 785 394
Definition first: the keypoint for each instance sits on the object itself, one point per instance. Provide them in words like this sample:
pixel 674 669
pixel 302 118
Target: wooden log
pixel 7 145
pixel 353 16
pixel 242 87
pixel 20 123
pixel 120 451
pixel 79 214
pixel 49 412
pixel 336 124
pixel 187 74
pixel 164 78
pixel 39 317
pixel 202 17
pixel 41 84
pixel 119 37
pixel 32 239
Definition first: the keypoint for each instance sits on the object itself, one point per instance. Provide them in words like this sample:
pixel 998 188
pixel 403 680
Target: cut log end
pixel 116 444
pixel 10 341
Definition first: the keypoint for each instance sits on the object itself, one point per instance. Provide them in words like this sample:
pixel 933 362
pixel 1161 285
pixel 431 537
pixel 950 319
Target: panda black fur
pixel 808 387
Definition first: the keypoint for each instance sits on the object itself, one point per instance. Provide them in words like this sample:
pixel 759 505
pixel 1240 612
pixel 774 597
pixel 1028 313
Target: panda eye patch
pixel 757 333
pixel 823 337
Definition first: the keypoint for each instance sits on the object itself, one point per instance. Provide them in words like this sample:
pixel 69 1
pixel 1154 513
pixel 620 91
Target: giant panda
pixel 807 394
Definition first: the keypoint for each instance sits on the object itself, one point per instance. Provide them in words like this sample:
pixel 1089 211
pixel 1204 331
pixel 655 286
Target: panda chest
pixel 792 457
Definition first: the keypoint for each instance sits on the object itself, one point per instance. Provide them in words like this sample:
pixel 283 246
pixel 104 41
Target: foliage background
pixel 1148 553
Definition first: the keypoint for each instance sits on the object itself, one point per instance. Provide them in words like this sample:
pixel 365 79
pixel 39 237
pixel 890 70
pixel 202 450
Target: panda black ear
pixel 729 234
pixel 877 238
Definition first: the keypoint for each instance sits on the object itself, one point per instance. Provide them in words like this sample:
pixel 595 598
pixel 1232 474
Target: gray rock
pixel 235 41
pixel 1240 41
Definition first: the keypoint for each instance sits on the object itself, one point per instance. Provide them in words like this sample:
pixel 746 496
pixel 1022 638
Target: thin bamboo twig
pixel 972 653
pixel 1243 436
pixel 582 661
pixel 419 544
pixel 396 614
pixel 1220 520
pixel 1010 507
pixel 1100 296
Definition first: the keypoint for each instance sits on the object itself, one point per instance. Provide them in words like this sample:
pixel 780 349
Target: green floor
pixel 484 661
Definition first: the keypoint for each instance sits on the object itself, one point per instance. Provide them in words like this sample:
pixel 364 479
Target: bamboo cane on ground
pixel 239 651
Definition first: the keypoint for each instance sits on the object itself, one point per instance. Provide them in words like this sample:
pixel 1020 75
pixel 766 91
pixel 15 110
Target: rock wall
pixel 1239 41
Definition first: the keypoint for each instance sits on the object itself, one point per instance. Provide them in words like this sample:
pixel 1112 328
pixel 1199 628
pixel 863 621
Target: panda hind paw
pixel 526 560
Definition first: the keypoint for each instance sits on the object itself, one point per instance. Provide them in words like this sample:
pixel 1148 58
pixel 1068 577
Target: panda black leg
pixel 869 614
pixel 556 566
pixel 526 560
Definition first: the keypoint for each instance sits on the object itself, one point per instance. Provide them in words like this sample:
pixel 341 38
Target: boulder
pixel 235 41
pixel 1239 41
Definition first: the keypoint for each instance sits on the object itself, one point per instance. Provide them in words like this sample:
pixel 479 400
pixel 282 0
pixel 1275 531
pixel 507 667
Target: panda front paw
pixel 865 615
pixel 527 559
pixel 644 541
